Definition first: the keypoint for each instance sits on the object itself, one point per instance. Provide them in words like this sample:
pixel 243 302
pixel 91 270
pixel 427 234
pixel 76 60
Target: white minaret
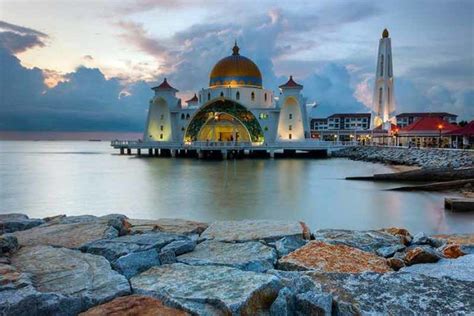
pixel 384 101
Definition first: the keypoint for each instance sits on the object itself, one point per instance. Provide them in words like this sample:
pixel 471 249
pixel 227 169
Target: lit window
pixel 252 96
pixel 290 116
pixel 237 95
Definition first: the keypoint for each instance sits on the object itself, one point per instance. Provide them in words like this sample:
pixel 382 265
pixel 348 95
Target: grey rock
pixel 136 262
pixel 467 249
pixel 396 294
pixel 13 222
pixel 313 303
pixel 284 305
pixel 252 230
pixel 180 247
pixel 85 278
pixel 288 244
pixel 114 248
pixel 461 268
pixel 421 254
pixel 296 281
pixel 209 290
pixel 19 297
pixel 420 239
pixel 168 225
pixel 251 256
pixel 8 244
pixel 368 240
pixel 389 251
pixel 167 257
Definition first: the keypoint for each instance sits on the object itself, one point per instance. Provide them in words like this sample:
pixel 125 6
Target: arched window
pixel 237 95
pixel 208 96
pixel 187 116
pixel 265 97
pixel 182 116
pixel 380 96
pixel 252 96
pixel 290 116
pixel 222 94
pixel 182 128
pixel 381 65
pixel 289 136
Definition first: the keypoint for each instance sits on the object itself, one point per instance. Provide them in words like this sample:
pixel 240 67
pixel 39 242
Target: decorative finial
pixel 385 33
pixel 235 49
pixel 165 79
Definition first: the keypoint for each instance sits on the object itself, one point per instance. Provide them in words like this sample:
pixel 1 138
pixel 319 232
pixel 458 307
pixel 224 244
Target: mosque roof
pixel 291 84
pixel 164 86
pixel 193 99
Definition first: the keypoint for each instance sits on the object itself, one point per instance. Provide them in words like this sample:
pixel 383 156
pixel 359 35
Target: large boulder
pixel 251 256
pixel 396 294
pixel 19 297
pixel 85 278
pixel 209 290
pixel 134 305
pixel 169 225
pixel 402 233
pixel 114 248
pixel 133 263
pixel 421 254
pixel 324 257
pixel 366 240
pixel 251 230
pixel 461 268
pixel 288 244
pixel 73 231
pixel 8 244
pixel 13 222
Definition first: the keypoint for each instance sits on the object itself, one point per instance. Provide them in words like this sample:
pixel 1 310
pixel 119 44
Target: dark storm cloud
pixel 17 39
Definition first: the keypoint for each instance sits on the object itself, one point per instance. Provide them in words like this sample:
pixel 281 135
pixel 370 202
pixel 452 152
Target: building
pixel 341 126
pixel 462 137
pixel 235 108
pixel 405 119
pixel 384 97
pixel 427 131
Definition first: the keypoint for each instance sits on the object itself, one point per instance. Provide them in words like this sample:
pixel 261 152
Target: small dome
pixel 235 70
pixel 385 33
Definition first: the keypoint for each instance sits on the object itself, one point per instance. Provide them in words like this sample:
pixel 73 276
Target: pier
pixel 230 150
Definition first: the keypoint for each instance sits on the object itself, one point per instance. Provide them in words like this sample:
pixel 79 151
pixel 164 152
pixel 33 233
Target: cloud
pixel 17 39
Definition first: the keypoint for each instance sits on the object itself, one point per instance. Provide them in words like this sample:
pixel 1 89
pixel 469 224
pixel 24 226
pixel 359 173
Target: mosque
pixel 234 109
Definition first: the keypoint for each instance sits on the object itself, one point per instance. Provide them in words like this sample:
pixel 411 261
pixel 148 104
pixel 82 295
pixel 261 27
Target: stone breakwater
pixel 113 265
pixel 426 158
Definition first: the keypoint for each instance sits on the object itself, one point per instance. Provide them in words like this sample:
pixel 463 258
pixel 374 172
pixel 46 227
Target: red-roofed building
pixel 462 137
pixel 164 86
pixel 427 131
pixel 291 84
pixel 405 119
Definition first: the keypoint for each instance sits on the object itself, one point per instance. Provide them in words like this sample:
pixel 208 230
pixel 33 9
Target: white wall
pixel 158 126
pixel 290 106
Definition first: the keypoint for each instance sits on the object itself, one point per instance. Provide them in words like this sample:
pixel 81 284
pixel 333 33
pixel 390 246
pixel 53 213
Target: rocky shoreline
pixel 113 265
pixel 421 157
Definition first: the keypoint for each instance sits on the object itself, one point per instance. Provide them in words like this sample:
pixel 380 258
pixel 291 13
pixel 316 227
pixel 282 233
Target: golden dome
pixel 235 70
pixel 385 33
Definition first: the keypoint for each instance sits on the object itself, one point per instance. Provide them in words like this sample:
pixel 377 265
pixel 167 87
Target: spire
pixel 385 33
pixel 235 49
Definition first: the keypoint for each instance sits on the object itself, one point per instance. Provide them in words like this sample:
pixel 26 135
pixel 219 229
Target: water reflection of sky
pixel 47 178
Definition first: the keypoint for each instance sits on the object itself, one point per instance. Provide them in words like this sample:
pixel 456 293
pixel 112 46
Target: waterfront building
pixel 384 97
pixel 425 132
pixel 235 107
pixel 405 119
pixel 341 126
pixel 462 137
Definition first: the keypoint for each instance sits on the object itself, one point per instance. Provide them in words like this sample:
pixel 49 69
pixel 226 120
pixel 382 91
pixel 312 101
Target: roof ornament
pixel 235 49
pixel 385 33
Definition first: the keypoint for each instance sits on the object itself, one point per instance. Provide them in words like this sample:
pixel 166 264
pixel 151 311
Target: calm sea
pixel 58 177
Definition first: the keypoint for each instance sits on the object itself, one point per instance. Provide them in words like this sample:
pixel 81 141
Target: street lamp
pixel 440 128
pixel 396 136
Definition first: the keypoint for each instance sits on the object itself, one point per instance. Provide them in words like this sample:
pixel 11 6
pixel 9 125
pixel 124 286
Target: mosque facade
pixel 234 108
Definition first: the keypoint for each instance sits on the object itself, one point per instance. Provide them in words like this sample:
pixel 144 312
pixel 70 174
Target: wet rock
pixel 324 257
pixel 402 233
pixel 134 305
pixel 19 297
pixel 69 235
pixel 451 251
pixel 209 290
pixel 366 240
pixel 86 279
pixel 389 251
pixel 168 225
pixel 395 263
pixel 461 268
pixel 421 254
pixel 288 244
pixel 13 222
pixel 284 305
pixel 396 294
pixel 8 244
pixel 136 262
pixel 253 230
pixel 313 303
pixel 251 256
pixel 112 249
pixel 180 247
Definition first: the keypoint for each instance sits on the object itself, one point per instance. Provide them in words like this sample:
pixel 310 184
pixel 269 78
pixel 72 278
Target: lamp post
pixel 440 128
pixel 396 136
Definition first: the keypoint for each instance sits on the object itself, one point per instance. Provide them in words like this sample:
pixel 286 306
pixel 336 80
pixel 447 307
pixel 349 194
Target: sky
pixel 89 65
